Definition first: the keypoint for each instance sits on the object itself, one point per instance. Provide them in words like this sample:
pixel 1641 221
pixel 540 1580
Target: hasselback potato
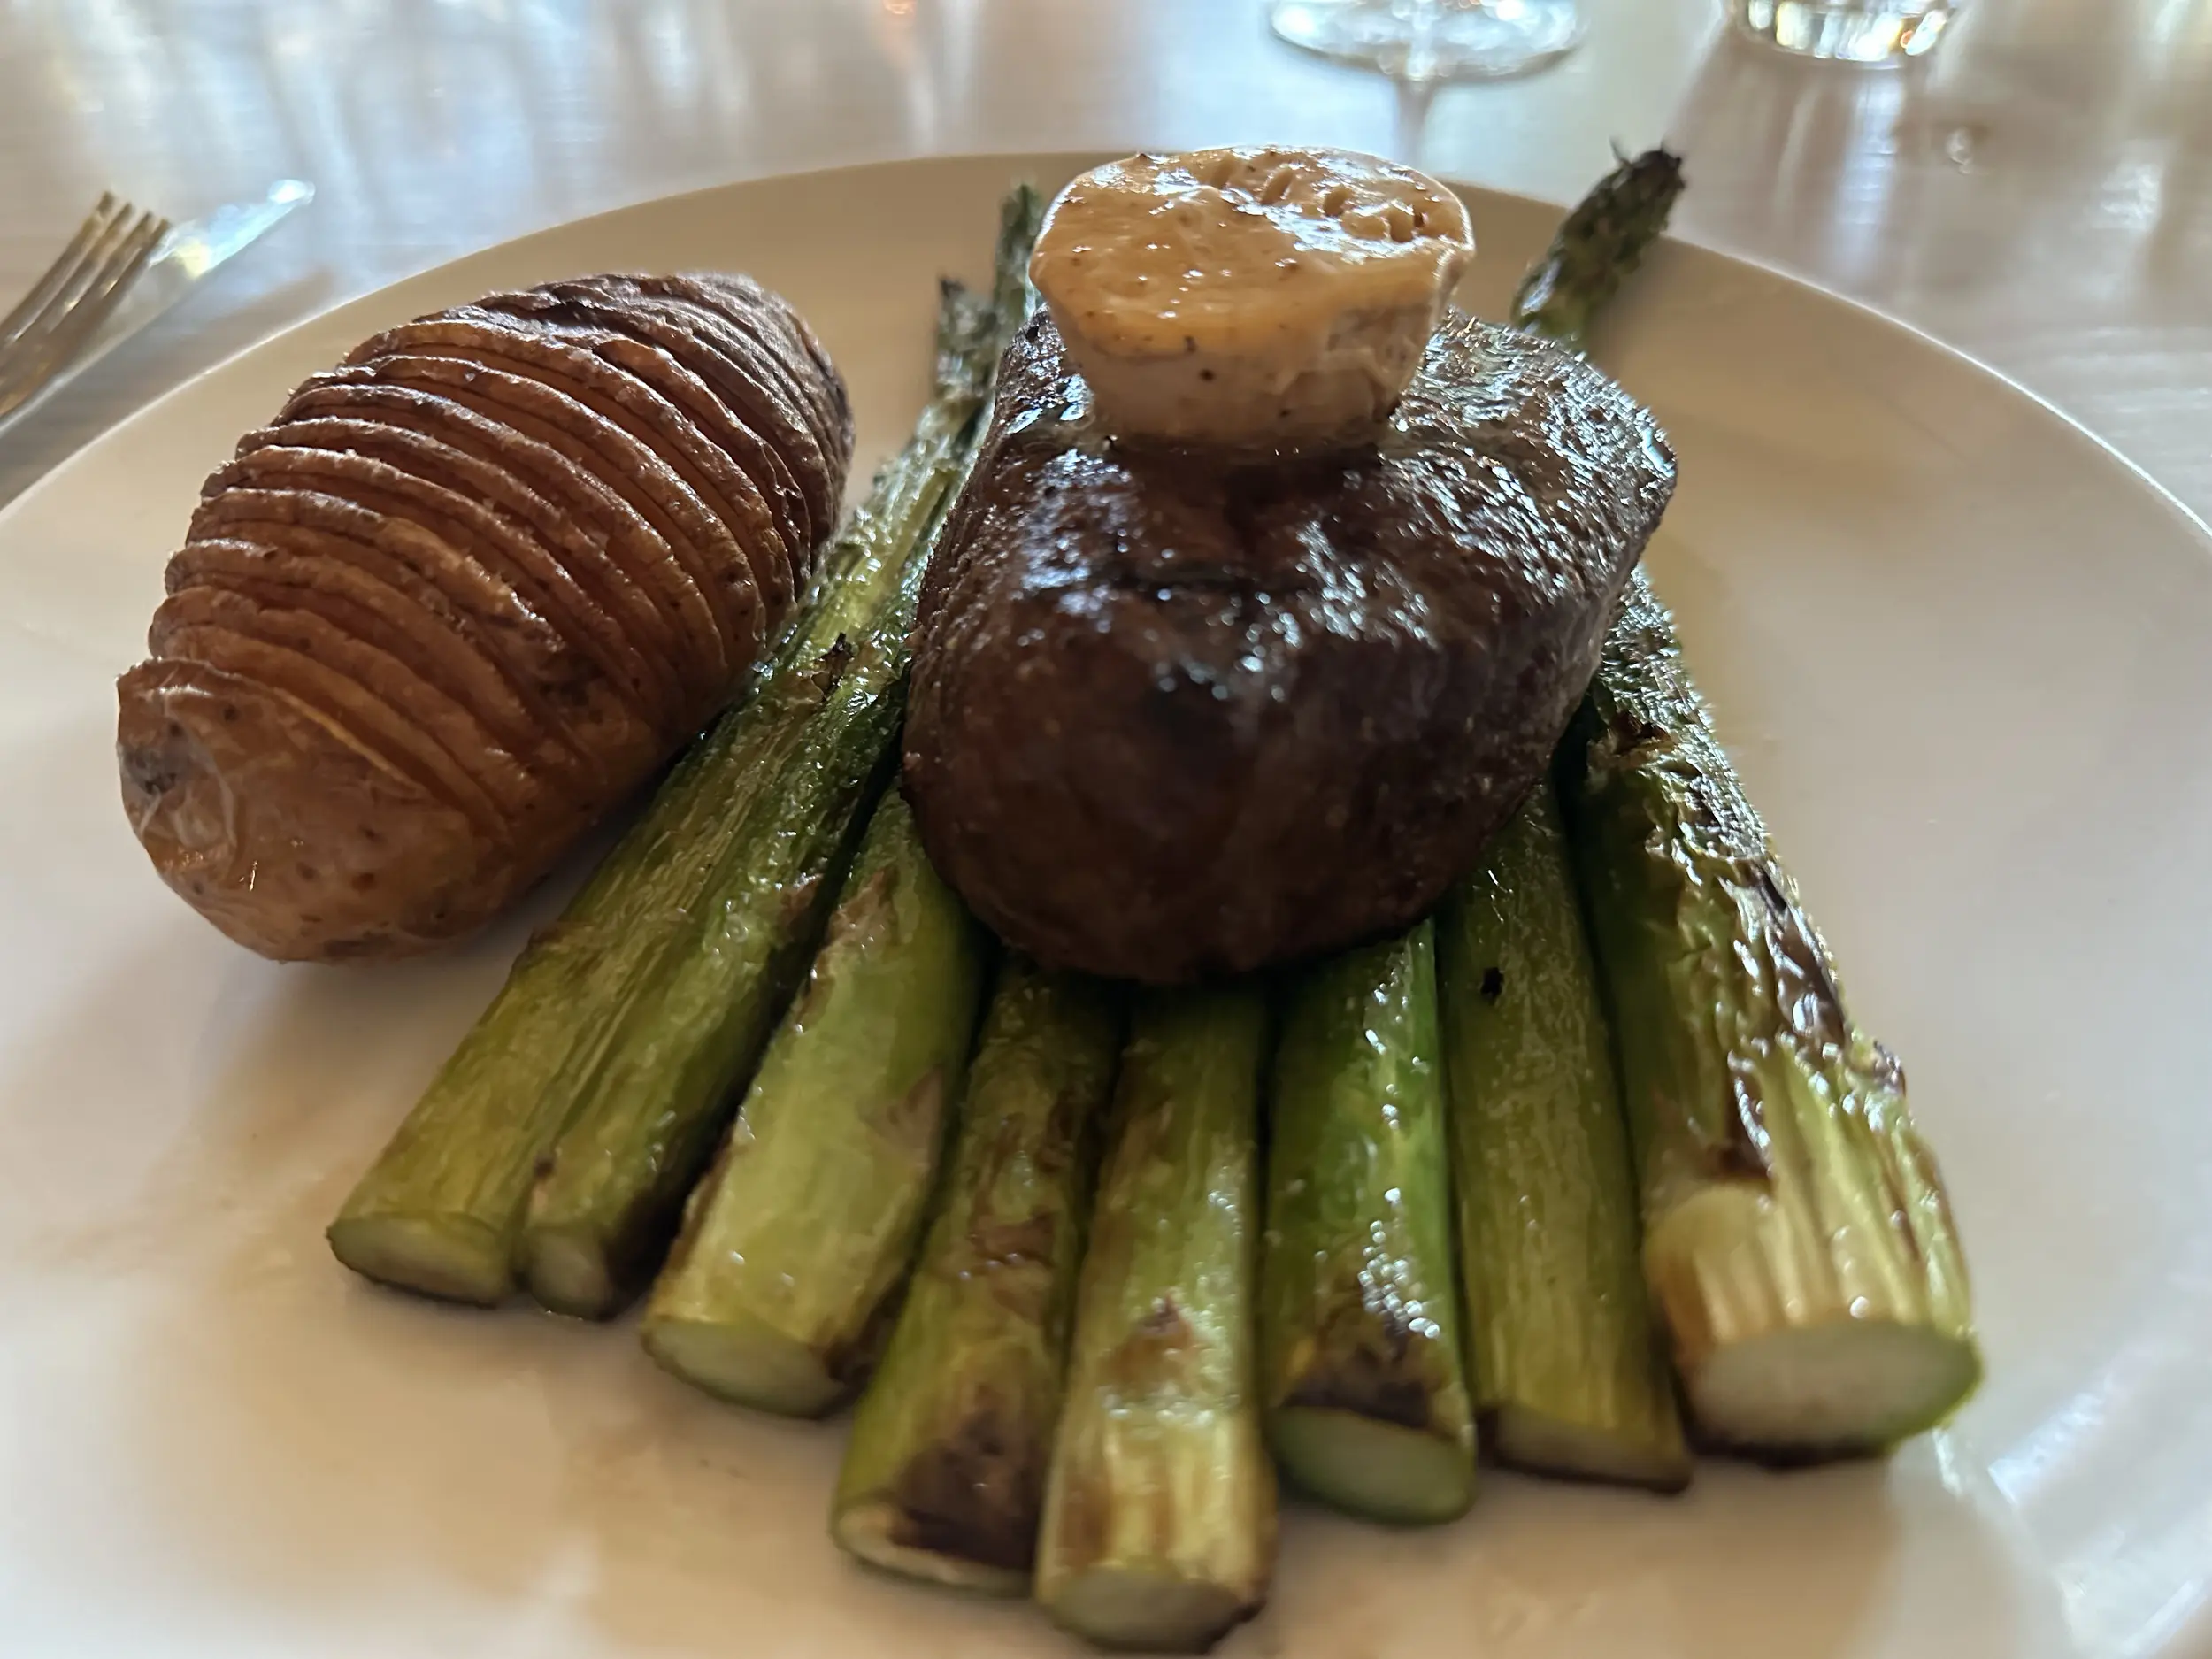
pixel 469 590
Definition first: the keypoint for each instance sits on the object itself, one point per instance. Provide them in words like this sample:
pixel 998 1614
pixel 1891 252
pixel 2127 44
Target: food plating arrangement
pixel 1201 932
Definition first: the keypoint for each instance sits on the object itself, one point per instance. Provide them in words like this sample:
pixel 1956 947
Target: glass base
pixel 1874 32
pixel 1432 40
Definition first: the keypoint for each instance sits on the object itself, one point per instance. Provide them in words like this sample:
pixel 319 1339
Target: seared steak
pixel 1182 711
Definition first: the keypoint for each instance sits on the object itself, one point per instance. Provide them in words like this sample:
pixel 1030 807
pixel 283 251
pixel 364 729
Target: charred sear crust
pixel 1177 712
pixel 974 1495
pixel 1370 1365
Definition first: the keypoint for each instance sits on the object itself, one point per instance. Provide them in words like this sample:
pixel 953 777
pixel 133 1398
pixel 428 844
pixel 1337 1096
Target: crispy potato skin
pixel 1179 713
pixel 467 591
pixel 212 781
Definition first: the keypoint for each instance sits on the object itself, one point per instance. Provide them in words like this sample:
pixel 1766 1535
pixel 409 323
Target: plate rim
pixel 1773 286
pixel 119 431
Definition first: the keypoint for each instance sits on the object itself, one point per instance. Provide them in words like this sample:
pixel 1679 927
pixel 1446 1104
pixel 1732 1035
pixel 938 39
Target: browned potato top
pixel 467 591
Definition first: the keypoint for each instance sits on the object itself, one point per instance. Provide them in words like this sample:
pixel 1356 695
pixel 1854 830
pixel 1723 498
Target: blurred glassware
pixel 1855 31
pixel 1430 41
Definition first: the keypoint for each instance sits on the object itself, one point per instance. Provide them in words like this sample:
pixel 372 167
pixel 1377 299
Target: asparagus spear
pixel 1796 1234
pixel 664 1081
pixel 1797 1239
pixel 1366 1395
pixel 792 1247
pixel 944 1472
pixel 1568 1375
pixel 441 1211
pixel 1598 247
pixel 1159 1519
pixel 1360 1362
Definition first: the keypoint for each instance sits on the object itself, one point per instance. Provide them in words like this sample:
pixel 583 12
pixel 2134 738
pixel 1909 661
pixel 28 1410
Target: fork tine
pixel 110 261
pixel 92 270
pixel 69 287
pixel 28 362
pixel 56 273
pixel 121 267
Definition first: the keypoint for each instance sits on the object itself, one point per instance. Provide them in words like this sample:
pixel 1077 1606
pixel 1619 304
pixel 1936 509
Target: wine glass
pixel 1432 40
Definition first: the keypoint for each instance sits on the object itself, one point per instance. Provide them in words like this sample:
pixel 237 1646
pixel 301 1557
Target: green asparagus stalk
pixel 1159 1520
pixel 1569 1378
pixel 1360 1366
pixel 1796 1234
pixel 793 1246
pixel 1366 1397
pixel 1796 1237
pixel 1569 1373
pixel 1598 247
pixel 666 1078
pixel 944 1472
pixel 441 1210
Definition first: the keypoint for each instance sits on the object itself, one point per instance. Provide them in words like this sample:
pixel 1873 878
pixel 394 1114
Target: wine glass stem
pixel 1413 99
pixel 1422 19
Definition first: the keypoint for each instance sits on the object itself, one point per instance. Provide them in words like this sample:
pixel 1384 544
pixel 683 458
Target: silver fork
pixel 53 321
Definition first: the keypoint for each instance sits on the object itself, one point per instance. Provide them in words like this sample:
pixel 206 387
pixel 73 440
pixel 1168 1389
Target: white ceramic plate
pixel 1963 655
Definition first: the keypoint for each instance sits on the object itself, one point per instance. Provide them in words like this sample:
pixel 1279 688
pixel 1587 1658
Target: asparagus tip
pixel 1847 1388
pixel 452 1257
pixel 1147 1612
pixel 1545 1444
pixel 735 1358
pixel 883 1534
pixel 1387 1472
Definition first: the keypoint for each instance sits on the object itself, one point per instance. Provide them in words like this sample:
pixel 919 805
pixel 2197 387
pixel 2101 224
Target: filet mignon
pixel 1184 712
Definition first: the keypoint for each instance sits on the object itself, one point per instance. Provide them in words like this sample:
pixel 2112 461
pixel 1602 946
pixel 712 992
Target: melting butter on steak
pixel 469 590
pixel 1256 295
pixel 1178 711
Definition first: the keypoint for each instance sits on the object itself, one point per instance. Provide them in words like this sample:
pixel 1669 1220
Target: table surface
pixel 2038 193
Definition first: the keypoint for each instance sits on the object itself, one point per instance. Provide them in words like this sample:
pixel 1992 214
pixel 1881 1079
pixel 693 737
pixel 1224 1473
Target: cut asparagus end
pixel 936 1550
pixel 1384 1471
pixel 453 1257
pixel 1798 1242
pixel 1567 1375
pixel 1360 1354
pixel 797 1243
pixel 1158 1525
pixel 1522 1438
pixel 568 1272
pixel 1846 1390
pixel 1779 1368
pixel 1148 1609
pixel 944 1471
pixel 740 1359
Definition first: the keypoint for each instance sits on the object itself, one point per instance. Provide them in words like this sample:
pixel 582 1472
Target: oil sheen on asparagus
pixel 1797 1240
pixel 1569 1373
pixel 1569 1377
pixel 944 1472
pixel 441 1210
pixel 793 1244
pixel 665 1083
pixel 1368 1405
pixel 1360 1342
pixel 1796 1234
pixel 1159 1520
